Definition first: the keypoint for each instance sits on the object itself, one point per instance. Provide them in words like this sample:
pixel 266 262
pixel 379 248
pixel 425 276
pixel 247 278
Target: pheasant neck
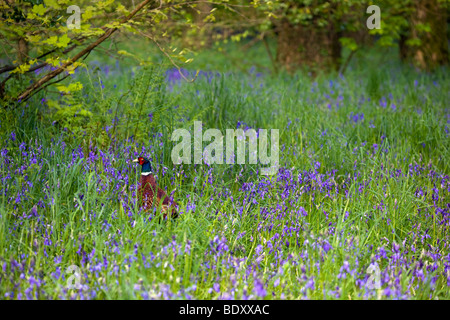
pixel 147 178
pixel 146 168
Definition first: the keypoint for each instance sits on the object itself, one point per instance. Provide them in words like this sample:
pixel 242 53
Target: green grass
pixel 247 231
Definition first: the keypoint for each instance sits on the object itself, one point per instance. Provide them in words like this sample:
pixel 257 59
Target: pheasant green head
pixel 146 167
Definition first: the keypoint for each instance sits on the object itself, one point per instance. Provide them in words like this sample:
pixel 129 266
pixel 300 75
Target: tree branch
pixel 170 58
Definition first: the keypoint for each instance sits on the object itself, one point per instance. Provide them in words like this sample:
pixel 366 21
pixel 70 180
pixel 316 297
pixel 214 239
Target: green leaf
pixel 39 9
pixel 76 86
pixel 349 43
pixel 63 41
pixel 52 4
pixel 52 40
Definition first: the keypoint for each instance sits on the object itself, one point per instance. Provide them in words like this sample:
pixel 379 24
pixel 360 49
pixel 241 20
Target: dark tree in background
pixel 308 34
pixel 421 29
pixel 312 34
pixel 429 27
pixel 311 44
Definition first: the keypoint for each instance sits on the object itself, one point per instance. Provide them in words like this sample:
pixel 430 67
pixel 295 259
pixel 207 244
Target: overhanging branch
pixel 108 32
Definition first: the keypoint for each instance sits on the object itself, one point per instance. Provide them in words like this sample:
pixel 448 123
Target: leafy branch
pixel 25 95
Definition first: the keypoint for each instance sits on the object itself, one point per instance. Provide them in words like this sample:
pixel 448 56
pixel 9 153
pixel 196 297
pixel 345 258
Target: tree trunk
pixel 308 46
pixel 405 54
pixel 22 51
pixel 433 49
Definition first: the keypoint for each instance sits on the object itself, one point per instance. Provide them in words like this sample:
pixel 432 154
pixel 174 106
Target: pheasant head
pixel 146 167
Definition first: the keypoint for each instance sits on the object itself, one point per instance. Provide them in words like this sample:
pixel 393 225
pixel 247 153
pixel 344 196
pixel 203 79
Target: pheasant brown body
pixel 146 193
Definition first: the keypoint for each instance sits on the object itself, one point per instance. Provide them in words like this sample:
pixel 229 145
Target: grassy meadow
pixel 363 183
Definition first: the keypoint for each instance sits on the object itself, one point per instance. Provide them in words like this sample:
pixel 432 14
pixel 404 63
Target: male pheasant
pixel 148 189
